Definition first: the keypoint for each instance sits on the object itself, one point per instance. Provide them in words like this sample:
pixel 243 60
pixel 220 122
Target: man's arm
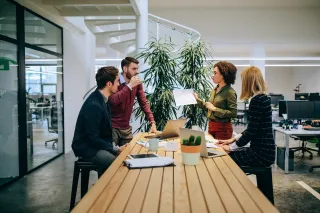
pixel 123 94
pixel 144 103
pixel 120 96
pixel 93 117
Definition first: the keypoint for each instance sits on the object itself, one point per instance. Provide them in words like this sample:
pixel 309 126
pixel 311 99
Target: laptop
pixel 204 152
pixel 170 130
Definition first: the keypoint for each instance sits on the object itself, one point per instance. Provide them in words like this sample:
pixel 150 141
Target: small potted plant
pixel 190 149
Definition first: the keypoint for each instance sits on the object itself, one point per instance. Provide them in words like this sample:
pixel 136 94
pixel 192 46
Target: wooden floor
pixel 215 185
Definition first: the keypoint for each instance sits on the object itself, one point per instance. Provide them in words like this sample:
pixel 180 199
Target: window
pixel 42 33
pixel 49 89
pixel 8 25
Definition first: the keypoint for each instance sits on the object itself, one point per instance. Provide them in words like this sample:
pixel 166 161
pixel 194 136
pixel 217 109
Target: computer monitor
pixel 276 98
pixel 316 110
pixel 314 96
pixel 282 108
pixel 301 96
pixel 300 109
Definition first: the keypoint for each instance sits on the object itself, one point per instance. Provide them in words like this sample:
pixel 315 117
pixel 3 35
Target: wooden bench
pixel 214 185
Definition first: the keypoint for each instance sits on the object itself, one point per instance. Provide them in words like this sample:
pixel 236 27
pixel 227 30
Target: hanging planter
pixel 190 149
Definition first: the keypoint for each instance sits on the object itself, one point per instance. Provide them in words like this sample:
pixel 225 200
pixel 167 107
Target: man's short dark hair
pixel 106 74
pixel 127 61
pixel 227 70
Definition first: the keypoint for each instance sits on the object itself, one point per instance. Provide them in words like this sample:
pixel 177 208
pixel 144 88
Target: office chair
pixel 314 167
pixel 52 130
pixel 241 113
pixel 304 148
pixel 240 118
pixel 53 126
pixel 318 166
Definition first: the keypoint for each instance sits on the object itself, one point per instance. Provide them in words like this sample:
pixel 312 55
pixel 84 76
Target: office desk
pixel 40 108
pixel 215 185
pixel 287 134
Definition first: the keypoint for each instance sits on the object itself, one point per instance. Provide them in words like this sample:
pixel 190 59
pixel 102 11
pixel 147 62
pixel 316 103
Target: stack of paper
pixel 149 162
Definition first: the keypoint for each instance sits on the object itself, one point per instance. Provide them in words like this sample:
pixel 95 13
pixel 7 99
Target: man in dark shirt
pixel 93 133
pixel 122 102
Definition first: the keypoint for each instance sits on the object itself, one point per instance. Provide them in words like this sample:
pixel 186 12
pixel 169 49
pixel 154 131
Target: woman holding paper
pixel 222 105
pixel 259 131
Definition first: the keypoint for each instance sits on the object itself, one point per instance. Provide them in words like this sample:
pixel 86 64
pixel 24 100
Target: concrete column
pixel 142 25
pixel 259 53
pixel 142 30
pixel 141 41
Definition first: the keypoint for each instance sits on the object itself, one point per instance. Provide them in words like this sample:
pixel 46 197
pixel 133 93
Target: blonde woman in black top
pixel 259 131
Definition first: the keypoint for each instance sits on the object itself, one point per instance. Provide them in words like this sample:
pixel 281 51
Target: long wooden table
pixel 214 185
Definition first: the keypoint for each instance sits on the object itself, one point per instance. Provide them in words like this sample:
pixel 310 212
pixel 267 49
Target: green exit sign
pixel 4 64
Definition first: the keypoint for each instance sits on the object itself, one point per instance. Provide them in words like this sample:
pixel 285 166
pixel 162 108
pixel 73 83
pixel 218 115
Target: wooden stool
pixel 264 180
pixel 84 167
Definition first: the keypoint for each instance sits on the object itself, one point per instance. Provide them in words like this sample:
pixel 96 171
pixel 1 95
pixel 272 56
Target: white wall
pixel 309 77
pixel 283 80
pixel 280 80
pixel 79 70
pixel 234 30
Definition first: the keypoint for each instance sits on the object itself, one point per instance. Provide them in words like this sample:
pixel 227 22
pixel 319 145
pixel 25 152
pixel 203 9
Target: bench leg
pixel 74 186
pixel 84 181
pixel 264 182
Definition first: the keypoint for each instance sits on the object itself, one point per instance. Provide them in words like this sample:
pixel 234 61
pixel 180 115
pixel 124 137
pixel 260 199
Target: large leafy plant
pixel 194 74
pixel 161 78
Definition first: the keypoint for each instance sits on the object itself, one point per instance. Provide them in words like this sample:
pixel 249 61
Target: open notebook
pixel 140 163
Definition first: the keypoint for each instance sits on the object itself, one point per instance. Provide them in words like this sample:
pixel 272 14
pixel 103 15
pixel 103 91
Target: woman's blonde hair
pixel 252 83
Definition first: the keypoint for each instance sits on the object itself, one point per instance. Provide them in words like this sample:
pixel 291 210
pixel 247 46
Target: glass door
pixel 9 135
pixel 44 106
pixel 44 89
pixel 31 91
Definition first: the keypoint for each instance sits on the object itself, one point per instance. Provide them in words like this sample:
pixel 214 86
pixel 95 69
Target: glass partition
pixel 42 33
pixel 31 91
pixel 9 137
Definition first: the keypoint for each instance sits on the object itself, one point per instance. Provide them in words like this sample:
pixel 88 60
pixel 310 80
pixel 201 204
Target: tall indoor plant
pixel 194 74
pixel 161 77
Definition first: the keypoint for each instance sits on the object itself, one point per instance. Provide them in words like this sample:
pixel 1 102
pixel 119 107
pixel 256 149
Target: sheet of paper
pixel 211 140
pixel 184 97
pixel 149 162
pixel 212 145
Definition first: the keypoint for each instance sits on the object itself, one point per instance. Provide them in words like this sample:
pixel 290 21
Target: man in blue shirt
pixel 93 133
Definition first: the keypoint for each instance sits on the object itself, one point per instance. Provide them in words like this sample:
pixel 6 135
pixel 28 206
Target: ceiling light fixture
pixel 42 59
pixel 49 73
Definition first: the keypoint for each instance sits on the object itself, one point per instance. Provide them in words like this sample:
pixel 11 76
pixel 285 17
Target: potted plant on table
pixel 190 149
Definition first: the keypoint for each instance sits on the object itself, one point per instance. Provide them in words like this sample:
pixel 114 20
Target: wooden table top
pixel 214 185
